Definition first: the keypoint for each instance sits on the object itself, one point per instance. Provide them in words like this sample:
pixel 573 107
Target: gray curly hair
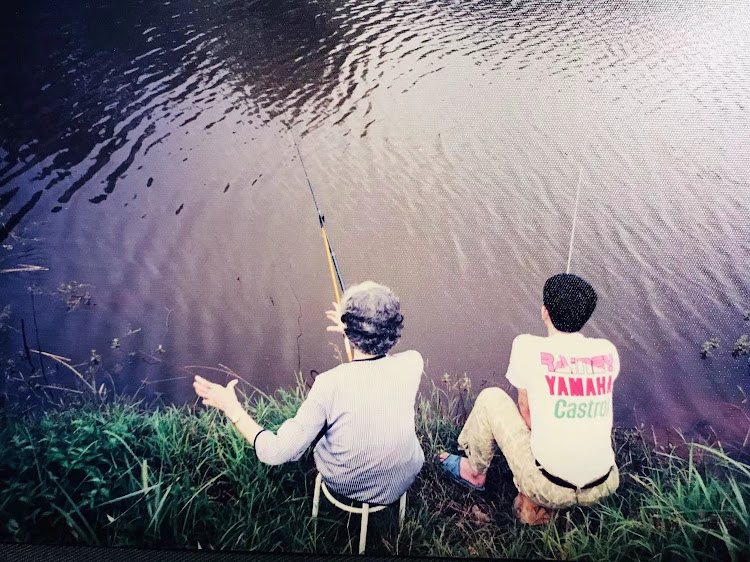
pixel 372 317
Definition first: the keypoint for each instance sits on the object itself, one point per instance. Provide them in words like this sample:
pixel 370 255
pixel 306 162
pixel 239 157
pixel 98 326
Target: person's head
pixel 372 317
pixel 569 302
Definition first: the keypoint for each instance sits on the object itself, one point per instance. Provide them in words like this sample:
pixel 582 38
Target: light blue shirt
pixel 370 451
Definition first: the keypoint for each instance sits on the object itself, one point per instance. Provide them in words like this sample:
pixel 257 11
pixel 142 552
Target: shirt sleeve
pixel 295 434
pixel 418 370
pixel 616 363
pixel 419 361
pixel 516 373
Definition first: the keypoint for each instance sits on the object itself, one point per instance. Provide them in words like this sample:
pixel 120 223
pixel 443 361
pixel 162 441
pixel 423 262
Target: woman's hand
pixel 220 397
pixel 335 317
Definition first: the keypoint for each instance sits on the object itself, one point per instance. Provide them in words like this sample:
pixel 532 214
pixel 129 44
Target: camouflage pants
pixel 496 421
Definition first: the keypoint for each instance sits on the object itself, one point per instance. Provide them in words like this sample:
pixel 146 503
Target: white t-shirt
pixel 568 378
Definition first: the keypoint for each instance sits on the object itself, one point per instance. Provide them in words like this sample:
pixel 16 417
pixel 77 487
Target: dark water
pixel 144 152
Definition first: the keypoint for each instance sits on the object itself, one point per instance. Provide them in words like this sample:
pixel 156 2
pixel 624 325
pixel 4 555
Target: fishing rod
pixel 337 279
pixel 575 218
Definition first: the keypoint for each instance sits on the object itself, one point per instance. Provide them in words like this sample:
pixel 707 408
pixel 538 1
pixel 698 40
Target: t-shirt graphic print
pixel 569 379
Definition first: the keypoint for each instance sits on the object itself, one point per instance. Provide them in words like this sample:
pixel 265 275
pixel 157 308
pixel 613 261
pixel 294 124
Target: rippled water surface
pixel 144 151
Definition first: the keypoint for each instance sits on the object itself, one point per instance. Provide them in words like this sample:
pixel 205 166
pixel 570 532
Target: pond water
pixel 144 152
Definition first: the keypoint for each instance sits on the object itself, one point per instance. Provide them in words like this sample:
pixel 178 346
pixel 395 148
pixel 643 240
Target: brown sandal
pixel 530 513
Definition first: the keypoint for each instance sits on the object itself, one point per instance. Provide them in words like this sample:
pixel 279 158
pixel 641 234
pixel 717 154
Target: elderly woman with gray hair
pixel 369 451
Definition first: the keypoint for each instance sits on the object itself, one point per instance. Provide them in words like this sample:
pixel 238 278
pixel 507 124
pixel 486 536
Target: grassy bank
pixel 118 474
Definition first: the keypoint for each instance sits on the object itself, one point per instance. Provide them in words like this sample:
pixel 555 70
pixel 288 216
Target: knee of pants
pixel 613 482
pixel 494 394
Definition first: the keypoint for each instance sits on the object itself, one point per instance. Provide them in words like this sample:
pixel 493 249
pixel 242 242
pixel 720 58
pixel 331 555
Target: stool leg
pixel 316 495
pixel 363 528
pixel 401 511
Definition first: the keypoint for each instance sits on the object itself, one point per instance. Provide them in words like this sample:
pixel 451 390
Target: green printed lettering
pixel 571 410
pixel 559 405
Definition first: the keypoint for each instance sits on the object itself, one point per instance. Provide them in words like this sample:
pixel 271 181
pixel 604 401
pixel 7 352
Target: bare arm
pixel 245 424
pixel 294 435
pixel 224 399
pixel 523 406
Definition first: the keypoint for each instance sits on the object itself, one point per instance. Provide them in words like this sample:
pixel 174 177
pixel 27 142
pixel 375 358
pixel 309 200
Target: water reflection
pixel 146 144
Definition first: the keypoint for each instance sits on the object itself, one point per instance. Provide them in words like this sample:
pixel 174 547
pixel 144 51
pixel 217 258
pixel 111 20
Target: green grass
pixel 121 474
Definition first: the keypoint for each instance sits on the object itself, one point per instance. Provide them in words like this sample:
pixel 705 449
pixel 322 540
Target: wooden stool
pixel 364 511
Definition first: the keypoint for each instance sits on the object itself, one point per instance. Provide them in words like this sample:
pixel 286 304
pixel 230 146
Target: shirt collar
pixel 369 358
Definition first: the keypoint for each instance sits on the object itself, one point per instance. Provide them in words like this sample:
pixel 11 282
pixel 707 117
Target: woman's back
pixel 370 451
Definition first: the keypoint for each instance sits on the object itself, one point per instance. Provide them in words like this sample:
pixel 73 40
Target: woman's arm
pixel 224 398
pixel 245 424
pixel 294 435
pixel 291 439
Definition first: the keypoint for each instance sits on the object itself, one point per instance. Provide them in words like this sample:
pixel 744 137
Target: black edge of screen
pixel 22 552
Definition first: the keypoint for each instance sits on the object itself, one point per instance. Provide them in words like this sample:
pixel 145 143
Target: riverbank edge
pixel 122 473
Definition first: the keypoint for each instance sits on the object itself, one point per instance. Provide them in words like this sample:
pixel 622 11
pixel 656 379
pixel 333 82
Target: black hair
pixel 372 319
pixel 569 300
pixel 373 337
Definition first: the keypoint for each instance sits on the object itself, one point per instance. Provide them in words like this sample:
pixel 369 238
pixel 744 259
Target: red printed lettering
pixel 597 363
pixel 601 385
pixel 551 383
pixel 549 360
pixel 576 386
pixel 581 365
pixel 590 387
pixel 561 364
pixel 609 361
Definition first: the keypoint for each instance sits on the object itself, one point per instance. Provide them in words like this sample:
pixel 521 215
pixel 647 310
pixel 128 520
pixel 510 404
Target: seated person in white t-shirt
pixel 558 442
pixel 369 451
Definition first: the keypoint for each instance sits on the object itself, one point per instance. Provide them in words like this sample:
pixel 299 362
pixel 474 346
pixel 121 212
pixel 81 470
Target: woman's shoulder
pixel 333 372
pixel 410 360
pixel 411 356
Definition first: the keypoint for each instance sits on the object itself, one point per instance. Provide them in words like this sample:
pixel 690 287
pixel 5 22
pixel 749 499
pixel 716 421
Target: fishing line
pixel 575 218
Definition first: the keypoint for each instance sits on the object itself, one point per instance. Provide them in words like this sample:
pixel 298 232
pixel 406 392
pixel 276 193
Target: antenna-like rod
pixel 575 218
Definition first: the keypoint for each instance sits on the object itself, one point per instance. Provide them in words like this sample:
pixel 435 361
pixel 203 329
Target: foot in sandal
pixel 530 513
pixel 459 469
